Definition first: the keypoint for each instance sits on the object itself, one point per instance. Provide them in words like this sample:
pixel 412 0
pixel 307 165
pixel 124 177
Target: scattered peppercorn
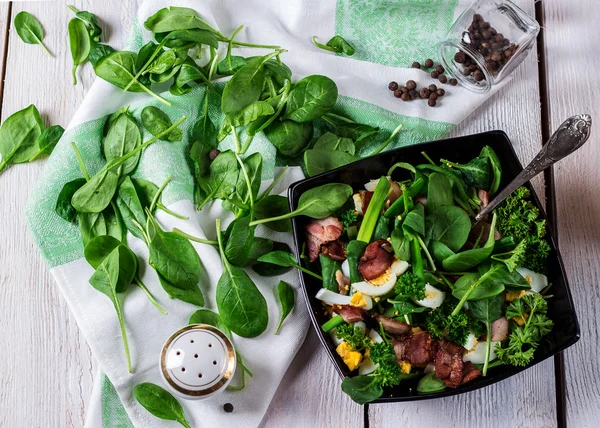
pixel 228 407
pixel 398 93
pixel 435 74
pixel 440 69
pixel 433 88
pixel 411 84
pixel 413 94
pixel 404 89
pixel 393 86
pixel 433 96
pixel 440 92
pixel 460 57
pixel 428 63
pixel 453 82
pixel 416 65
pixel 424 93
pixel 442 78
pixel 212 155
pixel 405 96
pixel 431 103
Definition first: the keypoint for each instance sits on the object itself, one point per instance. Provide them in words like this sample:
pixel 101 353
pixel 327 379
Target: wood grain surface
pixel 47 372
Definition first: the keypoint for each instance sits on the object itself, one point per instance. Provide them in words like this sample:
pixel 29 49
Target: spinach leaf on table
pixel 101 247
pixel 187 38
pixel 91 22
pixel 164 62
pixel 123 137
pixel 362 389
pixel 206 316
pixel 63 203
pixel 330 141
pixel 131 208
pixel 156 121
pixel 177 264
pixel 106 280
pixel 284 259
pixel 99 51
pixel 241 305
pixel 270 269
pixel 47 140
pixel 160 403
pixel 30 30
pixel 290 138
pixel 204 130
pixel 311 98
pixel 240 239
pixel 175 18
pixel 320 161
pixel 222 176
pixel 95 195
pixel 336 44
pixel 230 65
pixel 285 292
pixel 260 246
pixel 19 136
pixel 241 194
pixel 80 44
pixel 274 205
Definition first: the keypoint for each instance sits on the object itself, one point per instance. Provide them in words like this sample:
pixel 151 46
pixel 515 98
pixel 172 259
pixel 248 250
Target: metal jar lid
pixel 197 361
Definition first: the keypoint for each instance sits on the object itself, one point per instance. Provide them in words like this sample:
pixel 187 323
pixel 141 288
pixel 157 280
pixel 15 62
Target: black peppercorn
pixel 442 78
pixel 431 103
pixel 477 17
pixel 440 92
pixel 467 72
pixel 413 94
pixel 496 56
pixel 397 93
pixel 460 57
pixel 228 407
pixel 473 67
pixel 404 89
pixel 405 97
pixel 416 65
pixel 432 88
pixel 428 63
pixel 411 84
pixel 484 25
pixel 433 96
pixel 499 37
pixel 478 76
pixel 453 82
pixel 212 155
pixel 424 93
pixel 440 69
pixel 486 35
pixel 434 74
pixel 393 86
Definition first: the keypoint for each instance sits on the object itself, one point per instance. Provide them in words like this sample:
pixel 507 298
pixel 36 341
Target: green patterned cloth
pixel 388 36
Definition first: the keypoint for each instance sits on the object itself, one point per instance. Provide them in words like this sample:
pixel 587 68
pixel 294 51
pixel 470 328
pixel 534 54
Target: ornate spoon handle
pixel 569 136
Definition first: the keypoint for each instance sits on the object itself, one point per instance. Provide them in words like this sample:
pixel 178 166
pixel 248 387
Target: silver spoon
pixel 569 136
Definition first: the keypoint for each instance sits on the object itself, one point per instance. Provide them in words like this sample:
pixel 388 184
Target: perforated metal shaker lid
pixel 197 361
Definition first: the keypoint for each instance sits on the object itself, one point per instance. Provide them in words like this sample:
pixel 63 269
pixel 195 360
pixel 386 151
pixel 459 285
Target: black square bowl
pixel 462 149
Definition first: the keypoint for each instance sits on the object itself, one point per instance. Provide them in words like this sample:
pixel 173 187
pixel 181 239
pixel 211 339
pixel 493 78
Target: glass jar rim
pixel 475 56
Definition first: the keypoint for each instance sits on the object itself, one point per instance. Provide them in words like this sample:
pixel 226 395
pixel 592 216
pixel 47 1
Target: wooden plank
pixel 573 89
pixel 48 370
pixel 526 399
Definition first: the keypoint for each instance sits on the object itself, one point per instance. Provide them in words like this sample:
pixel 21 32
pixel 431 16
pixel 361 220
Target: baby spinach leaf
pixel 253 167
pixel 487 311
pixel 63 202
pixel 240 238
pixel 245 86
pixel 311 98
pixel 167 75
pixel 347 128
pixel 30 30
pixel 289 137
pixel 267 268
pixel 164 62
pixel 330 141
pixel 145 53
pixel 177 264
pixel 222 178
pixel 260 246
pixel 19 136
pixel 47 140
pixel 440 251
pixel 362 389
pixel 156 121
pixel 319 161
pixel 230 65
pixel 175 18
pixel 95 195
pixel 430 383
pixel 206 316
pixel 400 244
pixel 123 136
pixel 450 225
pixel 414 222
pixel 187 38
pixel 488 152
pixel 274 205
pixel 106 280
pixel 250 113
pixel 336 44
pixel 99 248
pixel 146 190
pixel 439 192
pixel 204 130
pixel 91 225
pixel 241 305
pixel 465 260
pixel 80 44
pixel 131 208
pixel 285 292
pixel 284 259
pixel 322 201
pixel 474 286
pixel 328 269
pixel 91 22
pixel 477 172
pixel 160 402
pixel 99 51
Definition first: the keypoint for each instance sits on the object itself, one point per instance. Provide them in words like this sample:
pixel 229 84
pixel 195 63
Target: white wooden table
pixel 47 369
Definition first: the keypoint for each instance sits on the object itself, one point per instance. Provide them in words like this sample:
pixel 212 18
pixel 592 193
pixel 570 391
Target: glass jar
pixel 487 42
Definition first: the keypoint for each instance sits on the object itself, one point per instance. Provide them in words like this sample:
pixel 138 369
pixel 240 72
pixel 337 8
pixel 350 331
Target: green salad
pixel 414 288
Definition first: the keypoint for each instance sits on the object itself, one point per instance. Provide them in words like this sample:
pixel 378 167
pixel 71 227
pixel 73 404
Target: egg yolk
pixel 381 279
pixel 358 300
pixel 350 357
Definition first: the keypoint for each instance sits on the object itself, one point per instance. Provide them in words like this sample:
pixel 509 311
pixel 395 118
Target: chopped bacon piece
pixel 321 232
pixel 335 250
pixel 392 326
pixel 500 330
pixel 421 200
pixel 484 197
pixel 366 200
pixel 395 191
pixel 469 372
pixel 415 348
pixel 350 313
pixel 376 260
pixel 449 363
pixel 343 282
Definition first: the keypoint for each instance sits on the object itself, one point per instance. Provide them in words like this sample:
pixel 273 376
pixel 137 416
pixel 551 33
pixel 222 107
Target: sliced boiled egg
pixel 330 298
pixel 346 268
pixel 334 339
pixel 371 185
pixel 476 355
pixel 367 367
pixel 385 282
pixel 375 337
pixel 537 281
pixel 470 342
pixel 361 325
pixel 433 297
